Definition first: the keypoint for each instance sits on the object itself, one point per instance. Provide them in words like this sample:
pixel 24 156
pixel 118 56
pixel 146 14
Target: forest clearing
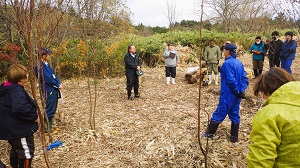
pixel 157 130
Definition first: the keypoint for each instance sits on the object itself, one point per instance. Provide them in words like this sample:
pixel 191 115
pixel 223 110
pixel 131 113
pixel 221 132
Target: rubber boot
pixel 24 163
pixel 168 80
pixel 234 137
pixel 209 79
pixel 14 161
pixel 255 73
pixel 46 127
pixel 136 93
pixel 216 79
pixel 173 81
pixel 51 124
pixel 211 129
pixel 129 95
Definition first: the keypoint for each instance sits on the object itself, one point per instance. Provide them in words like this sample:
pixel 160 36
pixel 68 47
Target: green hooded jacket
pixel 275 132
pixel 212 54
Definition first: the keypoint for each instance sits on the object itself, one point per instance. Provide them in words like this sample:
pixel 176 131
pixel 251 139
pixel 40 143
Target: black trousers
pixel 274 61
pixel 132 82
pixel 171 71
pixel 22 152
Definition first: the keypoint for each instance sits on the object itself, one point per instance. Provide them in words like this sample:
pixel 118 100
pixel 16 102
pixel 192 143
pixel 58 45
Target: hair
pixel 289 33
pixel 16 72
pixel 257 37
pixel 271 81
pixel 275 33
pixel 129 47
pixel 212 40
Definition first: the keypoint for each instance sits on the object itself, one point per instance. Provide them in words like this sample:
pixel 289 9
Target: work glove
pixel 258 52
pixel 241 95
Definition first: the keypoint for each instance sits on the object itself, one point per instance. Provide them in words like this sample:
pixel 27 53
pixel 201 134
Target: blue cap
pixel 232 48
pixel 45 51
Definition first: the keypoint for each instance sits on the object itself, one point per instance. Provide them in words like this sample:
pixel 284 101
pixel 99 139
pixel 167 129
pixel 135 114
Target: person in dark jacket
pixel 132 64
pixel 288 52
pixel 274 50
pixel 18 117
pixel 258 51
pixel 50 86
pixel 233 86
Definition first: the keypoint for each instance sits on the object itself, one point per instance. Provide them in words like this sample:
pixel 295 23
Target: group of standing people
pixel 276 126
pixel 280 54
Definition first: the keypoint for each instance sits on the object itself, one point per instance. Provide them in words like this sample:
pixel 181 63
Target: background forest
pixel 91 36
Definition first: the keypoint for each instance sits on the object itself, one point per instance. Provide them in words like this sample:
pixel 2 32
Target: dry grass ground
pixel 157 130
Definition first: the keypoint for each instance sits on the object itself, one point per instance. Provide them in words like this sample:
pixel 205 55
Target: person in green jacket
pixel 275 132
pixel 212 56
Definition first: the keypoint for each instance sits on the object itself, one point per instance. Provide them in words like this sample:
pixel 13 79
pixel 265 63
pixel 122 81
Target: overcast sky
pixel 151 12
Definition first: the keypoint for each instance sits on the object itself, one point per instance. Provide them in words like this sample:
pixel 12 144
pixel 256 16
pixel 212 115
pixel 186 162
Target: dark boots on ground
pixel 136 94
pixel 16 162
pixel 234 132
pixel 257 72
pixel 48 128
pixel 211 129
pixel 213 126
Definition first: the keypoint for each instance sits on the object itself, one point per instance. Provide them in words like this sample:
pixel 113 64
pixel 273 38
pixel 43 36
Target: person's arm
pixel 177 57
pixel 219 54
pixel 50 78
pixel 252 50
pixel 229 73
pixel 166 54
pixel 205 54
pixel 21 107
pixel 265 138
pixel 293 47
pixel 245 82
pixel 129 62
pixel 263 50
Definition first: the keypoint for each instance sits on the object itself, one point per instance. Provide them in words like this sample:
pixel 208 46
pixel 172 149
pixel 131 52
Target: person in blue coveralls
pixel 288 52
pixel 50 86
pixel 233 86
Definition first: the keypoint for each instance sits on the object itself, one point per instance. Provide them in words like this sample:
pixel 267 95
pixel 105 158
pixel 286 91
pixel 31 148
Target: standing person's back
pixel 276 127
pixel 18 117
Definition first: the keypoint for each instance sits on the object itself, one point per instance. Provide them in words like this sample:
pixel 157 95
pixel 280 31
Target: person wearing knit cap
pixel 233 86
pixel 288 52
pixel 258 51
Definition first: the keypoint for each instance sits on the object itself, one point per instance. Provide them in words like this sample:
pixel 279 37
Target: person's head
pixel 258 40
pixel 45 54
pixel 131 49
pixel 212 42
pixel 271 81
pixel 275 35
pixel 170 46
pixel 230 50
pixel 288 35
pixel 17 74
